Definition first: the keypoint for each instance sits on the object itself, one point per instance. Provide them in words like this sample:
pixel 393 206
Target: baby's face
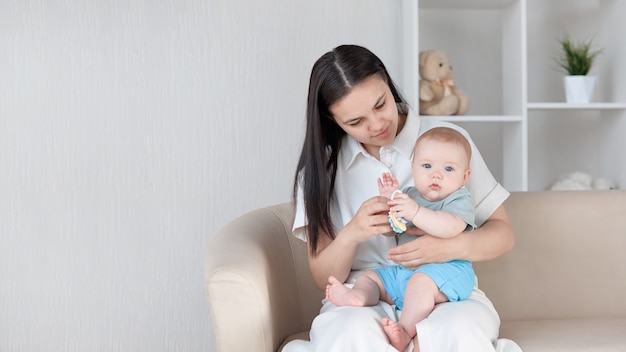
pixel 439 168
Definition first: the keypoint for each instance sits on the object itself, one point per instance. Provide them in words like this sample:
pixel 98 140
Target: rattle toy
pixel 398 225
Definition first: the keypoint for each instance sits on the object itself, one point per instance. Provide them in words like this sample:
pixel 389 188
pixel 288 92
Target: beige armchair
pixel 562 288
pixel 258 283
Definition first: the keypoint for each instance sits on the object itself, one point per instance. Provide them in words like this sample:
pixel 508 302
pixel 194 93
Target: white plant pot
pixel 579 89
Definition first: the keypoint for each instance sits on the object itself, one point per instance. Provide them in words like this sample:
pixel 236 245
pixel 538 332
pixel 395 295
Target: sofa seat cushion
pixel 571 335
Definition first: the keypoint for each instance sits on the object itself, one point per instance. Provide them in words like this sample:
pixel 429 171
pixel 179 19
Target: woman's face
pixel 369 114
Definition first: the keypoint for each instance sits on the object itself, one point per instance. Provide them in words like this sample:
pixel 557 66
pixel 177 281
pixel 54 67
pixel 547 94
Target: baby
pixel 439 205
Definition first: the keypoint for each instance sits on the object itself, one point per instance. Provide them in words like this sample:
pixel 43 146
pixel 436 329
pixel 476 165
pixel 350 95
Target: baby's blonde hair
pixel 447 135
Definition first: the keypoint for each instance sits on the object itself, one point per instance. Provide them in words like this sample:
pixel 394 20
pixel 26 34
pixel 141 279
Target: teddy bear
pixel 438 95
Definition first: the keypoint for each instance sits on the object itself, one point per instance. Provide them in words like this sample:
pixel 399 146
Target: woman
pixel 359 126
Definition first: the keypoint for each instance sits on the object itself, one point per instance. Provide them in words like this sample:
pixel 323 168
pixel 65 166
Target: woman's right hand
pixel 371 219
pixel 335 257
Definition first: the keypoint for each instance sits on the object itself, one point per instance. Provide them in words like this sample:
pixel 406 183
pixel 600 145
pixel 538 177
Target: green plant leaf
pixel 576 58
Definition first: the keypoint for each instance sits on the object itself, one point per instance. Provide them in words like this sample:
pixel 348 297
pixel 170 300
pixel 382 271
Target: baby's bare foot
pixel 398 337
pixel 340 295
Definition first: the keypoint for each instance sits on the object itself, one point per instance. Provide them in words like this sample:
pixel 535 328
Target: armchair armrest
pixel 257 281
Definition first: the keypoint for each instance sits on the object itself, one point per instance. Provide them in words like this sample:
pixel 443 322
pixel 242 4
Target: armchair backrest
pixel 568 259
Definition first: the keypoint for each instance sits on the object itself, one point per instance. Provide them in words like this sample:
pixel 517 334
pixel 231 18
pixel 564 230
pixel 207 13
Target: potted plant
pixel 576 59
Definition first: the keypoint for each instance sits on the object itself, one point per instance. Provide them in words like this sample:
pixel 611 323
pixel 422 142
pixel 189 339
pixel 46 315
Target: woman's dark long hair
pixel 333 76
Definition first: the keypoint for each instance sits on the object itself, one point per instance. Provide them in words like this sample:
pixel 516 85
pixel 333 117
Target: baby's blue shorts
pixel 455 279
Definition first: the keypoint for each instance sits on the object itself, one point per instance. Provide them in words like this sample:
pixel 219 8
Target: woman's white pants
pixel 469 325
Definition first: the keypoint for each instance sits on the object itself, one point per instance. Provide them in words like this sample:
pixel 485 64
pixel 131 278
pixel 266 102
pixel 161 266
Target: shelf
pixel 467 4
pixel 482 118
pixel 567 106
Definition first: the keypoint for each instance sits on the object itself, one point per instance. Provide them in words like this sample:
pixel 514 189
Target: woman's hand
pixel 335 257
pixel 494 238
pixel 423 250
pixel 371 219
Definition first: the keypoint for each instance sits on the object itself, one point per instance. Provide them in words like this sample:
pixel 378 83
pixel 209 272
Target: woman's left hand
pixel 425 249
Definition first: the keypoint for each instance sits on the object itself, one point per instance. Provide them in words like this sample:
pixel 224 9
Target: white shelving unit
pixel 502 52
pixel 575 107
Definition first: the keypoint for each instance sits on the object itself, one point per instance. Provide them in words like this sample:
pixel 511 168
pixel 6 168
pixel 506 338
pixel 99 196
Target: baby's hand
pixel 387 184
pixel 403 206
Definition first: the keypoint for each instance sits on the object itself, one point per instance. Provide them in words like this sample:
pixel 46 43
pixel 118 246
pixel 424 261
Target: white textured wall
pixel 130 131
